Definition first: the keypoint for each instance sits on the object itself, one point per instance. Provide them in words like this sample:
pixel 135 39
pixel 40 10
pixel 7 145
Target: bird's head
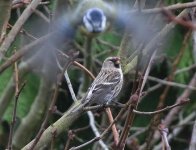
pixel 94 20
pixel 112 62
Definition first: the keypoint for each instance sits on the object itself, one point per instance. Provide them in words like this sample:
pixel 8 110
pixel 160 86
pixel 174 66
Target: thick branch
pixel 16 28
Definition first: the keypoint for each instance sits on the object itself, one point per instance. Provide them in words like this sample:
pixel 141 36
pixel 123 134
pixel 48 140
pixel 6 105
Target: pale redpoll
pixel 107 84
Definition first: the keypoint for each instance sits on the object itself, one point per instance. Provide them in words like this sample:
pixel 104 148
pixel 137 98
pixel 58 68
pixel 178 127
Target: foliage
pixel 42 70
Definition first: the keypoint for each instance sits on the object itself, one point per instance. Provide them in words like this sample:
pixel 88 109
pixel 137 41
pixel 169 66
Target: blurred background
pixel 142 30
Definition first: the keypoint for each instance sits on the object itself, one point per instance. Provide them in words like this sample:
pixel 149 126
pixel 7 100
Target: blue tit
pixel 95 20
pixel 93 16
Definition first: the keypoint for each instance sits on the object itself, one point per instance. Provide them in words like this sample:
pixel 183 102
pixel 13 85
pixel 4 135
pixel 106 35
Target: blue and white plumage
pixel 94 20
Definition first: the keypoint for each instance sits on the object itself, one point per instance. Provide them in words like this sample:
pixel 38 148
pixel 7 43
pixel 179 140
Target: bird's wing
pixel 103 85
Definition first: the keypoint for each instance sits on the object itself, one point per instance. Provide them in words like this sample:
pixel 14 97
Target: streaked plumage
pixel 107 84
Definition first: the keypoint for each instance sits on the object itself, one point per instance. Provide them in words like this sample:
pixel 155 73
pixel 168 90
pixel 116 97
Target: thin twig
pixel 186 69
pixel 84 68
pixel 161 110
pixel 14 116
pixel 114 130
pixel 70 137
pixel 79 65
pixel 95 130
pixel 16 77
pixel 164 132
pixel 146 75
pixel 169 83
pixel 102 42
pixel 70 86
pixel 170 7
pixel 193 138
pixel 42 15
pixel 23 31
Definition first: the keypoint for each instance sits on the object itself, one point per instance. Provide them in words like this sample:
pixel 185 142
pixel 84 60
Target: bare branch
pixel 14 116
pixel 170 7
pixel 70 86
pixel 17 26
pixel 164 132
pixel 169 83
pixel 95 130
pixel 193 139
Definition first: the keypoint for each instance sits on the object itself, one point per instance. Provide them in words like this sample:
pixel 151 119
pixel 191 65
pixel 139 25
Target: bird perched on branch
pixel 107 84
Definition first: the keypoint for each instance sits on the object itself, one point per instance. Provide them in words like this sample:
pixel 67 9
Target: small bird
pixel 94 20
pixel 107 84
pixel 93 17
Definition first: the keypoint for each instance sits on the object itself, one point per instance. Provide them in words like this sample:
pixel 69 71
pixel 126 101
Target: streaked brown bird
pixel 107 84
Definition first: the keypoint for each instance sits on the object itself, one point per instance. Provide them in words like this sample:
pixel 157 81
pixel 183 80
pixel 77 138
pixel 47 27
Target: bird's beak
pixel 117 61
